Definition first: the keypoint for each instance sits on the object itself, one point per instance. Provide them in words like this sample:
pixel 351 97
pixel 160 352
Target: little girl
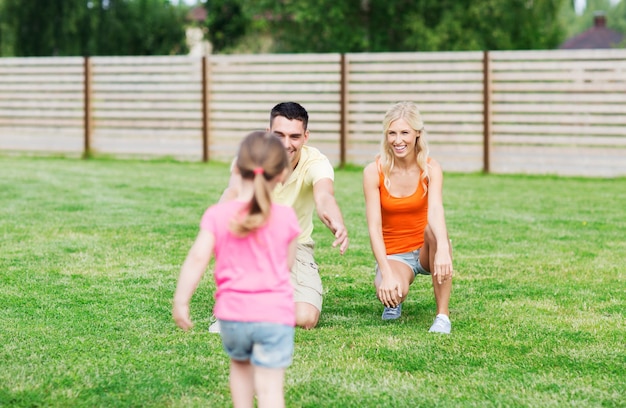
pixel 254 242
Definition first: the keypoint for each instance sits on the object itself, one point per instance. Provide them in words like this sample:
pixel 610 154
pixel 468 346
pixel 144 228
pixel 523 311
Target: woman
pixel 405 216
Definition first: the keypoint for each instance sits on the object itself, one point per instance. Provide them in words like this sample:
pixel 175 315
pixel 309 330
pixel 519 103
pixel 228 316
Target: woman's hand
pixel 390 292
pixel 443 267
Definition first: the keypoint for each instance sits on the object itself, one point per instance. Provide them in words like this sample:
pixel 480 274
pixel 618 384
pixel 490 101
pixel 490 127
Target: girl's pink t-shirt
pixel 251 272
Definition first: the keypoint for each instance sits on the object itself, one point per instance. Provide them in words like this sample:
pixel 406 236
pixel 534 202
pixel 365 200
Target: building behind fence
pixel 535 112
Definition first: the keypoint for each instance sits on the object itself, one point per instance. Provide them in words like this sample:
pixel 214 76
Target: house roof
pixel 597 36
pixel 197 13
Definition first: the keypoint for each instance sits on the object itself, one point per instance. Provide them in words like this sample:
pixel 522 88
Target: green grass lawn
pixel 90 252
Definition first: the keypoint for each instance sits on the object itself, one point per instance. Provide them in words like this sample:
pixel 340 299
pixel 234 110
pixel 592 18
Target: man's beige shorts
pixel 305 277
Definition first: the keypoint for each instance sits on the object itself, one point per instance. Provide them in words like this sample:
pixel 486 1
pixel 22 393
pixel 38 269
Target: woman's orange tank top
pixel 403 219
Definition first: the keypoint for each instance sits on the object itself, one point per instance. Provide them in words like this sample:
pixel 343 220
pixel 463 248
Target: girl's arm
pixel 190 274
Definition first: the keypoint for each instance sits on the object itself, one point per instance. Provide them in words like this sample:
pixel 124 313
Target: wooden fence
pixel 535 112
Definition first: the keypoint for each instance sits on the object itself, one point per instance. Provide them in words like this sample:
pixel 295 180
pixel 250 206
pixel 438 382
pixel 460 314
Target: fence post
pixel 205 109
pixel 486 112
pixel 87 123
pixel 343 125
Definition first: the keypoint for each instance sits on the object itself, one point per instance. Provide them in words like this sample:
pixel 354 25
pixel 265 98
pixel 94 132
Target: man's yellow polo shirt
pixel 297 191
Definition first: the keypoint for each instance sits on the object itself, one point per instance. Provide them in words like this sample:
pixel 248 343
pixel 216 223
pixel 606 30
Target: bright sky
pixel 579 5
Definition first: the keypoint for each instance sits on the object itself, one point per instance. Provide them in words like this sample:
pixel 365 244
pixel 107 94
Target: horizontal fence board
pixel 143 61
pixel 42 122
pixel 559 55
pixel 565 129
pixel 415 67
pixel 376 110
pixel 194 134
pixel 274 58
pixel 171 97
pixel 132 123
pixel 147 104
pixel 449 88
pixel 414 56
pixel 418 98
pixel 157 115
pixel 253 77
pixel 558 87
pixel 551 140
pixel 40 113
pixel 176 79
pixel 103 88
pixel 106 71
pixel 428 117
pixel 47 104
pixel 574 108
pixel 569 97
pixel 560 77
pixel 276 87
pixel 37 80
pixel 592 66
pixel 74 86
pixel 417 77
pixel 36 97
pixel 41 61
pixel 586 120
pixel 244 69
pixel 270 99
pixel 33 129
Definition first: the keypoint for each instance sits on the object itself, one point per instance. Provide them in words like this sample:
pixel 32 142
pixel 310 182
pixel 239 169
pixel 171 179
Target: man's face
pixel 292 135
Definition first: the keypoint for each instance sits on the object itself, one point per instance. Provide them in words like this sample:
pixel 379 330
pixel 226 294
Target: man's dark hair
pixel 291 111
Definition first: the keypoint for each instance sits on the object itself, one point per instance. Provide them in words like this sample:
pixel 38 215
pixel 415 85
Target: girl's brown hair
pixel 261 158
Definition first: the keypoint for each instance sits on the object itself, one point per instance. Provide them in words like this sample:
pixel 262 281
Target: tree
pixel 44 28
pixel 617 20
pixel 92 27
pixel 400 25
pixel 138 27
pixel 226 22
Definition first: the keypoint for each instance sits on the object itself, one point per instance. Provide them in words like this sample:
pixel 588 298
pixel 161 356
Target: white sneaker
pixel 215 327
pixel 441 325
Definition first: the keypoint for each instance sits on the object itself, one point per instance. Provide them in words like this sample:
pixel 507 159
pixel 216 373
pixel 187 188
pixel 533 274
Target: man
pixel 310 187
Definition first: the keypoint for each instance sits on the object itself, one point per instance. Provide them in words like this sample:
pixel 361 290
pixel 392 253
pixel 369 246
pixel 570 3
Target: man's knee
pixel 307 315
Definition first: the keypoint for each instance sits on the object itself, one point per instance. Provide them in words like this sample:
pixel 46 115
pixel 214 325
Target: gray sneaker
pixel 214 327
pixel 392 313
pixel 441 325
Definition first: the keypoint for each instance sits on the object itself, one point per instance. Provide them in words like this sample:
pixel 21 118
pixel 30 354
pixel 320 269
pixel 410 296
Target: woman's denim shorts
pixel 412 259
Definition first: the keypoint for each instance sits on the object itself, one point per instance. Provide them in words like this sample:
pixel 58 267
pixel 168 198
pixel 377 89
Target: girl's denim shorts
pixel 268 345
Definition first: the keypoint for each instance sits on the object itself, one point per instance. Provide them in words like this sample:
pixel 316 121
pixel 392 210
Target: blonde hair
pixel 261 158
pixel 409 112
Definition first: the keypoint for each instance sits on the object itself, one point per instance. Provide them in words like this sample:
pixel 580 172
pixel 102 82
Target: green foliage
pixel 616 19
pixel 139 27
pixel 92 27
pixel 401 25
pixel 91 250
pixel 226 23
